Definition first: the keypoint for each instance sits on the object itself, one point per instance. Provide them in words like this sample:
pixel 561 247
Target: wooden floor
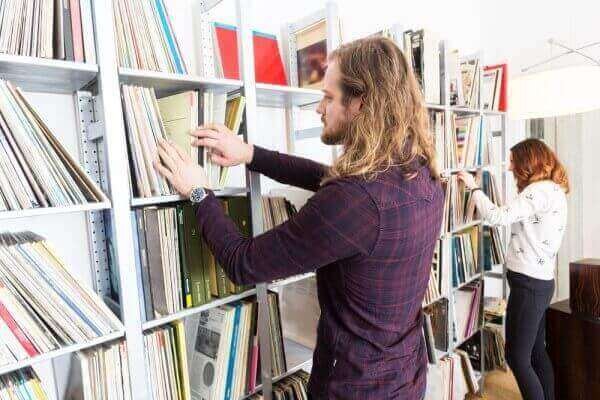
pixel 499 385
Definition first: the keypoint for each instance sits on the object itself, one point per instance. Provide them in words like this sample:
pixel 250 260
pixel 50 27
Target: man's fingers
pixel 210 143
pixel 203 132
pixel 164 151
pixel 162 170
pixel 218 159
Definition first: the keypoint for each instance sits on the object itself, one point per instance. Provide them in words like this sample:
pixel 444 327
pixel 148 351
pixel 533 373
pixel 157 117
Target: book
pixel 311 55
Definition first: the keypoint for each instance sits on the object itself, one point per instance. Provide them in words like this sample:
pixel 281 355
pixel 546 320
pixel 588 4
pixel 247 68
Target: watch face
pixel 197 195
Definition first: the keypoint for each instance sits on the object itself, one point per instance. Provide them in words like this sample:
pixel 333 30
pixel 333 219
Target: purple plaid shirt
pixel 371 243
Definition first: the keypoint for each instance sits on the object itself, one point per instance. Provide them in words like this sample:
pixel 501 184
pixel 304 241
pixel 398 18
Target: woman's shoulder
pixel 546 186
pixel 547 192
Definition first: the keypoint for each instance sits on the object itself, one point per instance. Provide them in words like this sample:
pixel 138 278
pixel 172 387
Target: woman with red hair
pixel 537 218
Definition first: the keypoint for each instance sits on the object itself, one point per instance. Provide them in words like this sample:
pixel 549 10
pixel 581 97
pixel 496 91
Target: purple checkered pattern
pixel 371 243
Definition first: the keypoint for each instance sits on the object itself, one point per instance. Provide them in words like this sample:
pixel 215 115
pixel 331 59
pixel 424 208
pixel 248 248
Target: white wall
pixel 517 32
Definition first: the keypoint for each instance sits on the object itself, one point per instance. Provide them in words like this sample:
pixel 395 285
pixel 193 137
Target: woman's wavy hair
pixel 392 125
pixel 534 161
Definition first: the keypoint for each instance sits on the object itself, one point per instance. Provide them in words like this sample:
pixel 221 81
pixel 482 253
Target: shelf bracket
pixel 92 157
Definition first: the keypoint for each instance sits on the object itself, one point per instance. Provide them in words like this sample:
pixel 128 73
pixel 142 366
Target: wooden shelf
pixel 165 83
pixel 46 75
pixel 61 352
pixel 285 96
pixel 35 212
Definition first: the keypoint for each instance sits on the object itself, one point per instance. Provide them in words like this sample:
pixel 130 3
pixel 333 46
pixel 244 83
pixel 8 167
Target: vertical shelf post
pixel 112 116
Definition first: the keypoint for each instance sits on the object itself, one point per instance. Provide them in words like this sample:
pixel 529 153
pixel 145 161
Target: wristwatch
pixel 197 195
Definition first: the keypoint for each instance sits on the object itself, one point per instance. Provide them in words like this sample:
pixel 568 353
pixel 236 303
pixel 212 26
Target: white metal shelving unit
pixel 102 130
pixel 76 79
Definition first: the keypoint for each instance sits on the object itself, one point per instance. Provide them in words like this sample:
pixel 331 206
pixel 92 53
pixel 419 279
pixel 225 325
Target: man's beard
pixel 335 136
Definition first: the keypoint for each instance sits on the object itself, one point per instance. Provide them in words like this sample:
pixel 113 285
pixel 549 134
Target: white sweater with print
pixel 538 217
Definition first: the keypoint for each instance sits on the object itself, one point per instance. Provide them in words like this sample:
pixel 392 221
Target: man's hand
pixel 468 179
pixel 226 148
pixel 179 169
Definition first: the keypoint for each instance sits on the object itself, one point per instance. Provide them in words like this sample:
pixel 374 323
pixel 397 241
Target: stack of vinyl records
pixel 467 301
pixel 23 384
pixel 447 380
pixel 60 29
pixel 422 50
pixel 463 75
pixel 293 387
pixel 494 87
pixel 144 130
pixel 471 147
pixel 470 71
pixel 176 267
pixel 456 204
pixel 440 138
pixel 42 306
pixel 464 255
pixel 222 356
pixel 436 285
pixel 276 210
pixel 437 313
pixel 166 362
pixel 494 252
pixel 494 308
pixel 174 117
pixel 468 371
pixel 493 351
pixel 487 182
pixel 223 341
pixel 104 374
pixel 225 110
pixel 145 37
pixel 35 170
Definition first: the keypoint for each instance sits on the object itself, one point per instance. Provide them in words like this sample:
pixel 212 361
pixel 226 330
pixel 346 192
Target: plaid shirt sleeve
pixel 290 170
pixel 339 221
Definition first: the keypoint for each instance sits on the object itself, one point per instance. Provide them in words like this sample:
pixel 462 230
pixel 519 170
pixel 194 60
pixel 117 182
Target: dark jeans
pixel 526 334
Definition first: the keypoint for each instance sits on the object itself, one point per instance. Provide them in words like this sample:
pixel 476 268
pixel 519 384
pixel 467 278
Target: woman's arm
pixel 529 202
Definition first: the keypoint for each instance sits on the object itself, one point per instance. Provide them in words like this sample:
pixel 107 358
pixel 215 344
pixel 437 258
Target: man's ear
pixel 355 105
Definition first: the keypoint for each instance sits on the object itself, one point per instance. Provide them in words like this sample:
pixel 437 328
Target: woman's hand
pixel 179 169
pixel 468 179
pixel 227 149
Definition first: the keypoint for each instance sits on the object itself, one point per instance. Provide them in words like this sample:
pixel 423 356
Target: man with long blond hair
pixel 369 231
